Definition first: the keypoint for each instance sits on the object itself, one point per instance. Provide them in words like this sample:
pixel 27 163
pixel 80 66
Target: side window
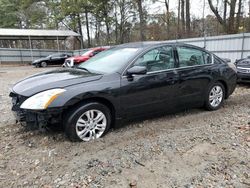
pixel 157 59
pixel 55 56
pixel 96 52
pixel 192 57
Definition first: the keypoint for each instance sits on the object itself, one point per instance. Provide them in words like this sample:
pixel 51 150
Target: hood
pixel 40 59
pixel 84 57
pixel 245 63
pixel 72 57
pixel 59 78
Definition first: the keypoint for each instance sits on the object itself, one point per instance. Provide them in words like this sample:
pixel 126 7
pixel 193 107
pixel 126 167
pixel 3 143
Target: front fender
pixel 105 89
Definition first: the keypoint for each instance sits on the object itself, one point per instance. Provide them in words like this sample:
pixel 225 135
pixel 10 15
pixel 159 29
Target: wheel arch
pixel 225 86
pixel 101 100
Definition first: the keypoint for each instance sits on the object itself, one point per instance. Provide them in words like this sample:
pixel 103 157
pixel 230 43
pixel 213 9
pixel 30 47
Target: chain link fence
pixel 227 46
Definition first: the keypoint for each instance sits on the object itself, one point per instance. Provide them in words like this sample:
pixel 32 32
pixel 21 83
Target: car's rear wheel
pixel 215 96
pixel 44 64
pixel 87 122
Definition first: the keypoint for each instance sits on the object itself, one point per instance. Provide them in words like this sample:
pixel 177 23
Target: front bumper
pixel 38 118
pixel 243 77
pixel 34 118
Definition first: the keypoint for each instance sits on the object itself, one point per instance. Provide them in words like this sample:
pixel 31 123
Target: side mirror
pixel 91 55
pixel 138 70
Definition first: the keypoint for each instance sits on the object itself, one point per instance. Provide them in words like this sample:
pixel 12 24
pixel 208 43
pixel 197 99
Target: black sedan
pixel 243 69
pixel 54 59
pixel 126 82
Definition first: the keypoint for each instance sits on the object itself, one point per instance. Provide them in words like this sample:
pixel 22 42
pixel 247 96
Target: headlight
pixel 42 100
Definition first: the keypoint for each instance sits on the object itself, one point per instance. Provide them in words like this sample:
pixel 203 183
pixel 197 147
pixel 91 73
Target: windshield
pixel 109 61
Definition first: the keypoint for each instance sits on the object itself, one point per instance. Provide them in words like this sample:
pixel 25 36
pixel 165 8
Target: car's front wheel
pixel 44 64
pixel 215 96
pixel 87 122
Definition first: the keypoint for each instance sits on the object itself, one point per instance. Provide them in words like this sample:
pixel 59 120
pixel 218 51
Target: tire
pixel 215 96
pixel 44 64
pixel 79 126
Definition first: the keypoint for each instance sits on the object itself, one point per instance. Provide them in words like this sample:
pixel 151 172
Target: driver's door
pixel 55 59
pixel 152 92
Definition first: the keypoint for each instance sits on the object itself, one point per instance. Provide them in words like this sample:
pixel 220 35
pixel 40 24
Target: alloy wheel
pixel 91 125
pixel 216 96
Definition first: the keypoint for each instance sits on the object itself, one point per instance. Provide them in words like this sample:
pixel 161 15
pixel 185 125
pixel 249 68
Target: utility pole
pixel 204 23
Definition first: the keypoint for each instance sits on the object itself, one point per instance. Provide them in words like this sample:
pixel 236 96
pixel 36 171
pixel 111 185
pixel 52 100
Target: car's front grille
pixel 243 70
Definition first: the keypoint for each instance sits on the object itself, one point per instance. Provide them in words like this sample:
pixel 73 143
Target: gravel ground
pixel 196 148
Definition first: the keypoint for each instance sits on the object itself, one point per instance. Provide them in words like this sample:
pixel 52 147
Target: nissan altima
pixel 125 82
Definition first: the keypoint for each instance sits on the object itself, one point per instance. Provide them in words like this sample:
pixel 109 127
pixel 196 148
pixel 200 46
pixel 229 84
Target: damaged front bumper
pixel 34 118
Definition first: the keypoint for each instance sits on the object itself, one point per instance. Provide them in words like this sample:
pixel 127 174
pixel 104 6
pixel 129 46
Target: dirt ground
pixel 195 149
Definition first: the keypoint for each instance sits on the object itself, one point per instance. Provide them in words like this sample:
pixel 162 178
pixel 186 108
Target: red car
pixel 87 54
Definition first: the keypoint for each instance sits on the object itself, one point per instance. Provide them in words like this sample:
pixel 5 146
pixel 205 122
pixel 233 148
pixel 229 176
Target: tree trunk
pixel 178 19
pixel 225 11
pixel 231 20
pixel 168 17
pixel 188 17
pixel 97 33
pixel 106 20
pixel 80 29
pixel 116 29
pixel 122 21
pixel 183 15
pixel 142 23
pixel 216 13
pixel 238 15
pixel 87 27
pixel 108 31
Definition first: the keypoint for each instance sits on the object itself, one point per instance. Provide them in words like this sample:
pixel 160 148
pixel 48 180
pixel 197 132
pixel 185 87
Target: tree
pixel 239 14
pixel 178 19
pixel 188 17
pixel 124 15
pixel 102 12
pixel 22 13
pixel 8 16
pixel 142 21
pixel 228 24
pixel 168 16
pixel 183 15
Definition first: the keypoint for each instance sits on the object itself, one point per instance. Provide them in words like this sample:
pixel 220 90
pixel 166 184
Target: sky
pixel 196 7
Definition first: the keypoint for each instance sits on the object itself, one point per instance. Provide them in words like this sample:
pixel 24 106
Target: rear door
pixel 56 59
pixel 153 92
pixel 194 69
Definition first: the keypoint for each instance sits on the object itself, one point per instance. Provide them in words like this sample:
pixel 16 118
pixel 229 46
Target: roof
pixel 147 44
pixel 35 34
pixel 139 44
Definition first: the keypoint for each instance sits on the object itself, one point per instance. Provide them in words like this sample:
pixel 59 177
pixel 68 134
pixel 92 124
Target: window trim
pixel 192 47
pixel 179 68
pixel 176 58
pixel 146 51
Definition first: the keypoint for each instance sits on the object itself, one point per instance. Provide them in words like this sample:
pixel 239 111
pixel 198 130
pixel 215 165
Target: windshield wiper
pixel 82 68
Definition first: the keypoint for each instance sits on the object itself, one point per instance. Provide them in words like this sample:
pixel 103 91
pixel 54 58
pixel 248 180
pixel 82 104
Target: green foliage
pixel 22 13
pixel 8 16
